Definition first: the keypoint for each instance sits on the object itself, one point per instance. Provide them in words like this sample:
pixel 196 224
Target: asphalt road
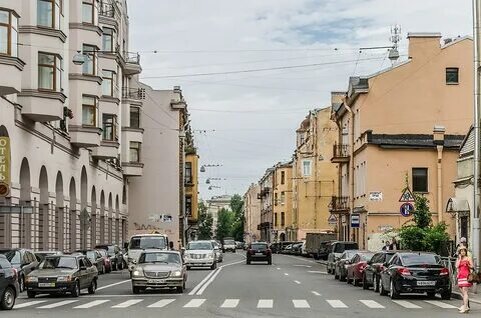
pixel 291 287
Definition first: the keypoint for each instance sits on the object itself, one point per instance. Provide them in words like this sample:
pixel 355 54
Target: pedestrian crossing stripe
pixel 128 303
pixel 91 304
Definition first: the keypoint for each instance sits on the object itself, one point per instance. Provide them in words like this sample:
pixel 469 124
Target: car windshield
pixel 366 256
pixel 159 257
pixel 91 254
pixel 199 246
pixel 259 247
pixel 341 247
pixel 146 242
pixel 419 259
pixel 103 252
pixel 52 262
pixel 229 242
pixel 12 256
pixel 348 255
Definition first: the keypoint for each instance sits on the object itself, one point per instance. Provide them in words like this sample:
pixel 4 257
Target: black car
pixel 23 260
pixel 415 272
pixel 115 255
pixel 324 249
pixel 372 272
pixel 259 252
pixel 340 268
pixel 9 289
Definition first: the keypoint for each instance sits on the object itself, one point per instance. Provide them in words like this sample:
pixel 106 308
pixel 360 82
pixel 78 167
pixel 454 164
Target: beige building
pixel 407 120
pixel 314 177
pixel 282 207
pixel 266 226
pixel 214 205
pixel 252 213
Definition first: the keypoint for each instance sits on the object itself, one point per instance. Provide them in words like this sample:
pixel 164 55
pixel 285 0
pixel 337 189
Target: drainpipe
pixel 438 138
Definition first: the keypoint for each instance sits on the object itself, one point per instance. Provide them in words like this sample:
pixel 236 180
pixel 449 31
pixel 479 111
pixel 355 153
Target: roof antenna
pixel 395 38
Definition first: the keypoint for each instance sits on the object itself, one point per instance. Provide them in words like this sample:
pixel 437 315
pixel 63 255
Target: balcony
pixel 136 94
pixel 132 169
pixel 340 154
pixel 11 79
pixel 41 106
pixel 107 150
pixel 84 137
pixel 339 205
pixel 131 63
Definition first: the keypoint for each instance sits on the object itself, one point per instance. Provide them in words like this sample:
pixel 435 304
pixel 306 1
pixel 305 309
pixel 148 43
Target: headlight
pixel 131 260
pixel 138 273
pixel 211 255
pixel 176 274
pixel 64 278
pixel 32 279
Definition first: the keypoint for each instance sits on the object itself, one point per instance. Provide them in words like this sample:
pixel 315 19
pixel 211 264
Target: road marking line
pixel 301 259
pixel 317 272
pixel 230 303
pixel 286 274
pixel 278 268
pixel 114 284
pixel 194 303
pixel 58 304
pixel 30 303
pixel 308 266
pixel 128 303
pixel 297 282
pixel 161 303
pixel 406 304
pixel 199 285
pixel 265 303
pixel 208 277
pixel 211 279
pixel 372 304
pixel 440 304
pixel 300 303
pixel 91 304
pixel 336 303
pixel 316 293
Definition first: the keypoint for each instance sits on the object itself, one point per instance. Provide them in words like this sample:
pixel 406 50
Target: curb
pixel 457 295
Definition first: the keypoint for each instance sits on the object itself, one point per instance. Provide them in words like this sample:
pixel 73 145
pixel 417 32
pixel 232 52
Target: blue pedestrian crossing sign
pixel 406 209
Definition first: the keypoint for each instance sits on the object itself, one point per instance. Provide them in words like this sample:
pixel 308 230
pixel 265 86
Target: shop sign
pixel 4 166
pixel 375 196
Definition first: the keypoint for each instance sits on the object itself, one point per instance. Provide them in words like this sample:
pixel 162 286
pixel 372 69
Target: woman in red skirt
pixel 464 265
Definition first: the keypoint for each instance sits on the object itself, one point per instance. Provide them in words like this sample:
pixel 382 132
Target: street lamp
pixel 79 58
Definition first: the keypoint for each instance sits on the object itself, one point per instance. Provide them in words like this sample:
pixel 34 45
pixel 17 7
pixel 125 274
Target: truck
pixel 140 242
pixel 314 240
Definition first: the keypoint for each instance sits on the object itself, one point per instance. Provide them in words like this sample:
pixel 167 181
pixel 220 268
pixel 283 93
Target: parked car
pixel 23 260
pixel 372 272
pixel 259 252
pixel 159 269
pixel 287 249
pixel 415 272
pixel 9 288
pixel 107 260
pixel 219 256
pixel 115 255
pixel 324 249
pixel 296 249
pixel 337 249
pixel 200 254
pixel 62 274
pixel 228 245
pixel 356 266
pixel 340 270
pixel 239 245
pixel 95 258
pixel 40 255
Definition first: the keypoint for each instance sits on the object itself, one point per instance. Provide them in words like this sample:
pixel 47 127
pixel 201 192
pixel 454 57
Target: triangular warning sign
pixel 332 219
pixel 407 196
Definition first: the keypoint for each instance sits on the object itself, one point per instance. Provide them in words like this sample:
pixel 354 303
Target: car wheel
pixel 180 289
pixel 382 292
pixel 21 283
pixel 393 293
pixel 269 261
pixel 446 294
pixel 136 290
pixel 375 284
pixel 355 282
pixel 214 266
pixel 431 294
pixel 93 287
pixel 102 270
pixel 342 278
pixel 76 290
pixel 31 294
pixel 188 268
pixel 8 299
pixel 364 282
pixel 335 275
pixel 248 262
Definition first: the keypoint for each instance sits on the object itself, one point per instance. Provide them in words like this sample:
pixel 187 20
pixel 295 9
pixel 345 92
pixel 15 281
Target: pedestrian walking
pixel 386 246
pixel 464 265
pixel 394 245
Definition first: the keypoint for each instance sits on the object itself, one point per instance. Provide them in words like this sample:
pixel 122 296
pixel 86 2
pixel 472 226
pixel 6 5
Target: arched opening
pixel 43 211
pixel 24 237
pixel 124 195
pixel 110 219
pixel 59 214
pixel 117 222
pixel 84 218
pixel 5 219
pixel 72 216
pixel 282 237
pixel 102 217
pixel 93 218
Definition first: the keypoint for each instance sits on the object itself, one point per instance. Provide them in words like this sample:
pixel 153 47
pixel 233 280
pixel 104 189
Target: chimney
pixel 423 46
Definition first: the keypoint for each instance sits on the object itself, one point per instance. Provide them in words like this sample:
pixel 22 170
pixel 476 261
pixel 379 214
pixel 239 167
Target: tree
pixel 225 219
pixel 206 223
pixel 237 207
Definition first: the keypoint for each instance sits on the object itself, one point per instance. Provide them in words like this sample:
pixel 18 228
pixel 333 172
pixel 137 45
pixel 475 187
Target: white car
pixel 229 245
pixel 200 254
pixel 218 251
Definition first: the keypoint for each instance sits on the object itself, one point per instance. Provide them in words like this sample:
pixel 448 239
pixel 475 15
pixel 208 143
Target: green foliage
pixel 237 205
pixel 206 223
pixel 435 238
pixel 225 218
pixel 412 237
pixel 421 214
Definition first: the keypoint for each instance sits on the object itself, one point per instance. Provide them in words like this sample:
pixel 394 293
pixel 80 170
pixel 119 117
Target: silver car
pixel 219 256
pixel 200 254
pixel 159 269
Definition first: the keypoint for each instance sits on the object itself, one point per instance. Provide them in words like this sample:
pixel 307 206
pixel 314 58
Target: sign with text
pixel 4 166
pixel 355 220
pixel 375 196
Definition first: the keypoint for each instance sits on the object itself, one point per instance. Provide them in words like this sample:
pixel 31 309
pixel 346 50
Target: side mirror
pixel 171 245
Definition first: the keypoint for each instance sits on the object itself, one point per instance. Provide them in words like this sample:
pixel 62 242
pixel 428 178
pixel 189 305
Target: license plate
pixel 259 254
pixel 426 283
pixel 46 284
pixel 156 281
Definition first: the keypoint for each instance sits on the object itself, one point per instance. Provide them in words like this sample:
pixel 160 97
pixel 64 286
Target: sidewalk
pixel 474 297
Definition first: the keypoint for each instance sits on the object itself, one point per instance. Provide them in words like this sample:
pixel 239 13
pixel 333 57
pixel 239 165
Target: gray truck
pixel 314 240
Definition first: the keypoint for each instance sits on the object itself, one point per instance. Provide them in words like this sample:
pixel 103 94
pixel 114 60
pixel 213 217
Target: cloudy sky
pixel 275 60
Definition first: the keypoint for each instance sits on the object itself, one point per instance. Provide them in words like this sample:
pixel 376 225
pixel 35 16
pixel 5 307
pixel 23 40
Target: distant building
pixel 282 207
pixel 266 185
pixel 191 181
pixel 214 205
pixel 252 213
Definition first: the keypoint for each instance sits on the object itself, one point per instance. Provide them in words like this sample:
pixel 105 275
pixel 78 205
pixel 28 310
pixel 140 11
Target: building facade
pixel 266 185
pixel 282 207
pixel 191 182
pixel 314 176
pixel 252 213
pixel 65 70
pixel 404 123
pixel 214 205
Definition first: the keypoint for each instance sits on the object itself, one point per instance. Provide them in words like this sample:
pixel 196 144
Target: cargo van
pixel 141 242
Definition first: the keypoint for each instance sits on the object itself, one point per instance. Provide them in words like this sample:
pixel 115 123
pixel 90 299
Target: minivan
pixel 337 248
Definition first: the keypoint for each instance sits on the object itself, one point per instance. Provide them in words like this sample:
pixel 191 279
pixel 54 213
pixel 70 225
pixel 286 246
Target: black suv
pixel 23 260
pixel 115 255
pixel 8 284
pixel 259 251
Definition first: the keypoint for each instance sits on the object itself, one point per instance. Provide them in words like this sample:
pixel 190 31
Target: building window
pixel 275 199
pixel 109 83
pixel 283 197
pixel 306 168
pixel 452 75
pixel 49 13
pixel 275 219
pixel 109 126
pixel 283 219
pixel 90 63
pixel 88 12
pixel 89 111
pixel 188 172
pixel 134 151
pixel 50 68
pixel 134 117
pixel 420 179
pixel 108 40
pixel 8 33
pixel 188 205
pixel 283 177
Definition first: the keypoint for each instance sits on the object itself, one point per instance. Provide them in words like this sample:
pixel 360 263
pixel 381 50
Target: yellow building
pixel 192 190
pixel 282 207
pixel 408 120
pixel 314 177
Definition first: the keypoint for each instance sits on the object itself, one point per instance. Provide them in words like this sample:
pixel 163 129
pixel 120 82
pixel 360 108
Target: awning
pixel 455 205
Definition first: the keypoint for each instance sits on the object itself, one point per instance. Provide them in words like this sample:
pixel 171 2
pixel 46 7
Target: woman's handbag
pixel 474 277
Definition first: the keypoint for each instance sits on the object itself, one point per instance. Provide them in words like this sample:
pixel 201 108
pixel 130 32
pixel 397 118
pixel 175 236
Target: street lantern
pixel 79 58
pixel 202 169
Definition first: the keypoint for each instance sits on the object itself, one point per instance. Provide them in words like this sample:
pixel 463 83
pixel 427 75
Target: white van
pixel 141 242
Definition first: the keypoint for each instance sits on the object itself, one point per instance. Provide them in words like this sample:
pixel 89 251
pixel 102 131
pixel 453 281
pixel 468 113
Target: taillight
pixel 361 266
pixel 444 272
pixel 268 252
pixel 15 273
pixel 404 271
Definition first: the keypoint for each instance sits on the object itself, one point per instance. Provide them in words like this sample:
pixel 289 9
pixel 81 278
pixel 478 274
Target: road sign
pixel 406 209
pixel 375 196
pixel 332 219
pixel 355 220
pixel 407 196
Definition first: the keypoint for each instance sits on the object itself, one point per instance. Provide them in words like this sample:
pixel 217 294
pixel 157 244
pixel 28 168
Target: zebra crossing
pixel 232 303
